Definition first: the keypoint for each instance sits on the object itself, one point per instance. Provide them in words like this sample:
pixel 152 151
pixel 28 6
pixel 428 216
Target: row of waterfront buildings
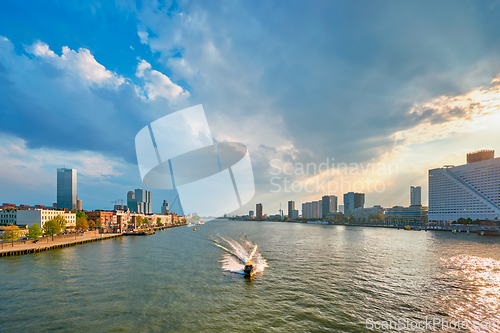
pixel 109 220
pixel 138 205
pixel 469 191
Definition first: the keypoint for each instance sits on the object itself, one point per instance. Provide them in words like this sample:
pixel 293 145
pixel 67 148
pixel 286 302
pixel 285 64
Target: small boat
pixel 248 270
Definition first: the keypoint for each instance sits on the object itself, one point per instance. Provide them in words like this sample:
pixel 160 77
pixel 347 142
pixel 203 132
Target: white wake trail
pixel 237 254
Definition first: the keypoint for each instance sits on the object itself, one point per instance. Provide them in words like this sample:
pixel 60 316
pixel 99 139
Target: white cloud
pixel 143 35
pixel 158 84
pixel 80 62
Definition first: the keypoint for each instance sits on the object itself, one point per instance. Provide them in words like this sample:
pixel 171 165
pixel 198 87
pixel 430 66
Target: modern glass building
pixel 291 208
pixel 352 201
pixel 139 201
pixel 328 205
pixel 415 196
pixel 66 188
pixel 466 191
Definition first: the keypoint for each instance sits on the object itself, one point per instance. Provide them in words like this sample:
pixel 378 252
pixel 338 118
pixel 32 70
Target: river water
pixel 319 278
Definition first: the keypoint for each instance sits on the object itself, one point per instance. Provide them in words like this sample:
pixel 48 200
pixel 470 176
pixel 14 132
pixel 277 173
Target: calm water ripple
pixel 320 279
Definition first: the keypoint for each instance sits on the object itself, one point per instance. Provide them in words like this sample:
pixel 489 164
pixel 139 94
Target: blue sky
pixel 411 83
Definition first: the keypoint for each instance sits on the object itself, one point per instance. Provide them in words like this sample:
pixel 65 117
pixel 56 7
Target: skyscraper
pixel 258 208
pixel 131 202
pixel 66 188
pixel 164 207
pixel 139 201
pixel 328 205
pixel 465 191
pixel 143 198
pixel 352 201
pixel 415 196
pixel 291 208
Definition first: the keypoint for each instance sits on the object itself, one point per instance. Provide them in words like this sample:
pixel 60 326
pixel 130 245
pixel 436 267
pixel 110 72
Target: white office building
pixel 471 190
pixel 40 216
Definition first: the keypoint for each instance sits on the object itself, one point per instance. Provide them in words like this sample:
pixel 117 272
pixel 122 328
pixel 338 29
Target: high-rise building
pixel 66 188
pixel 415 196
pixel 143 198
pixel 341 209
pixel 251 214
pixel 466 191
pixel 258 208
pixel 139 201
pixel 164 207
pixel 328 204
pixel 352 201
pixel 295 214
pixel 131 202
pixel 291 208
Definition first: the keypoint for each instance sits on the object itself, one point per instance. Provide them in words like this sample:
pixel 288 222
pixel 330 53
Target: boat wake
pixel 238 253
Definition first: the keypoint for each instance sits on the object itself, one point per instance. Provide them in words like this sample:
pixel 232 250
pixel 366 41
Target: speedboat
pixel 248 270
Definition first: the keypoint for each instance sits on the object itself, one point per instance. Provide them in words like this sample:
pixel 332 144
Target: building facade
pixel 258 209
pixel 415 196
pixel 139 201
pixel 407 215
pixel 291 208
pixel 66 188
pixel 351 202
pixel 368 214
pixel 164 207
pixel 8 216
pixel 107 219
pixel 40 216
pixel 328 205
pixel 471 190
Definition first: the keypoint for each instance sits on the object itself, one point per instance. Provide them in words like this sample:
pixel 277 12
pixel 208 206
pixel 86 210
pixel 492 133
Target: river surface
pixel 319 278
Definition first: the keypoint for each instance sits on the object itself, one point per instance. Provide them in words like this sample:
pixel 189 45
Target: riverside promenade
pixel 47 244
pixel 60 241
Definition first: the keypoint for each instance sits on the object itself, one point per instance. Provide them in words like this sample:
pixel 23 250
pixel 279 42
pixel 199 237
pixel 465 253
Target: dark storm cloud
pixel 345 75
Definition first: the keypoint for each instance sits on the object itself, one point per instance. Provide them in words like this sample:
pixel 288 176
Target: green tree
pixel 81 214
pixel 98 223
pixel 158 222
pixel 51 228
pixel 81 223
pixel 91 224
pixel 35 231
pixel 11 233
pixel 61 221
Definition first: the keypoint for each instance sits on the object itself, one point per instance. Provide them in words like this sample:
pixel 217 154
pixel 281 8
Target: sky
pixel 378 91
